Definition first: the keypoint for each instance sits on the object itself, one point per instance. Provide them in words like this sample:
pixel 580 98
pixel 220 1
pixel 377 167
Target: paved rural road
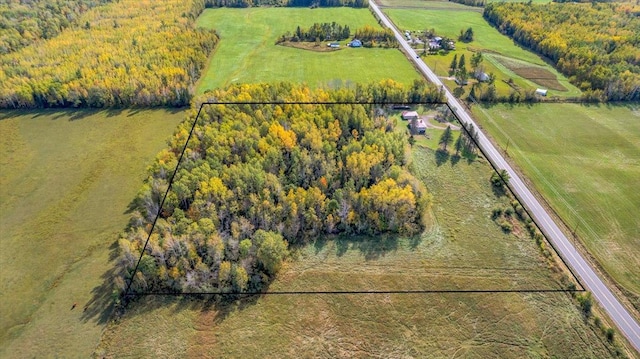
pixel 625 322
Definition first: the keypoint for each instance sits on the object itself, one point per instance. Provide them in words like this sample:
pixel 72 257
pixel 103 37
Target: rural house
pixel 418 126
pixel 355 43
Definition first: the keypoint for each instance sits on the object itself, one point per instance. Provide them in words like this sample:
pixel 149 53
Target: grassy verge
pixel 463 248
pixel 585 162
pixel 66 180
pixel 502 57
pixel 247 51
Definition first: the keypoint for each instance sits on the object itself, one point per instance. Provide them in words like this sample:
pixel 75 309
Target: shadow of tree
pixel 103 300
pixel 442 156
pixel 455 159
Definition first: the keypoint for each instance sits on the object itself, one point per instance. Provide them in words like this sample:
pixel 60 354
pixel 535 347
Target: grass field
pixel 463 248
pixel 66 179
pixel 502 57
pixel 585 160
pixel 247 51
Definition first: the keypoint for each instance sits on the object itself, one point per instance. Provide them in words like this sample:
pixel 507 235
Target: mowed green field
pixel 497 49
pixel 66 179
pixel 462 249
pixel 247 52
pixel 585 160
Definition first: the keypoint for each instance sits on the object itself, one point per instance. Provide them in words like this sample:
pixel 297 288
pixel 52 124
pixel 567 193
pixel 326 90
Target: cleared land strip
pixel 623 319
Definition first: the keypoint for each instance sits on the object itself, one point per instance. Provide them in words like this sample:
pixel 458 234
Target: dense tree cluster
pixel 319 32
pixel 376 37
pixel 596 45
pixel 127 53
pixel 328 3
pixel 25 22
pixel 478 3
pixel 257 178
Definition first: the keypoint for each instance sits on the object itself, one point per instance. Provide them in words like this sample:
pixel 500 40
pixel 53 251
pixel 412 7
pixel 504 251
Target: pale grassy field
pixel 66 179
pixel 585 160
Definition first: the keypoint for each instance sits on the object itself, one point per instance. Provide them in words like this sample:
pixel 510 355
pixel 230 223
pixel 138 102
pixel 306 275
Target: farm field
pixel 66 179
pixel 439 4
pixel 247 51
pixel 585 160
pixel 502 57
pixel 462 249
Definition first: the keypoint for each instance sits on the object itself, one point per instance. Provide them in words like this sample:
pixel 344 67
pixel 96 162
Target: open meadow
pixel 502 57
pixel 247 52
pixel 66 179
pixel 462 248
pixel 585 160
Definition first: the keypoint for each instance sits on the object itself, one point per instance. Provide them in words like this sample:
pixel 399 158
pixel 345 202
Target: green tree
pixel 446 138
pixel 272 250
pixel 454 64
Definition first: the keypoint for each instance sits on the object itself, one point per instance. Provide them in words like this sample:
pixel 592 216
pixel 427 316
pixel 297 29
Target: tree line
pixel 258 178
pixel 289 3
pixel 318 32
pixel 596 45
pixel 25 22
pixel 126 53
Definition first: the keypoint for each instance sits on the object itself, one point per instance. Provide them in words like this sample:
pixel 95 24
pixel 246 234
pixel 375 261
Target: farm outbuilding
pixel 409 115
pixel 541 92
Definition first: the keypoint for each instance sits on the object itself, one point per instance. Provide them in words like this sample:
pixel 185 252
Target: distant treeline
pixel 25 22
pixel 289 3
pixel 256 179
pixel 126 53
pixel 478 3
pixel 319 32
pixel 596 45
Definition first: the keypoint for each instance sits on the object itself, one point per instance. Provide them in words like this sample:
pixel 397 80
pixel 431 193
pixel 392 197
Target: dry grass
pixel 66 178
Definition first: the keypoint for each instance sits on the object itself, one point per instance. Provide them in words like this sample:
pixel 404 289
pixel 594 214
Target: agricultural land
pixel 514 68
pixel 66 182
pixel 585 163
pixel 248 53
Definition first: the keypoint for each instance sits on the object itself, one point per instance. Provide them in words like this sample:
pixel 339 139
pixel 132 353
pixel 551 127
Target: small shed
pixel 355 43
pixel 541 92
pixel 418 126
pixel 409 115
pixel 483 77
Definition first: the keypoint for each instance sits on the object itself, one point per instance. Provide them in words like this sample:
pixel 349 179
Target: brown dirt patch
pixel 539 75
pixel 311 46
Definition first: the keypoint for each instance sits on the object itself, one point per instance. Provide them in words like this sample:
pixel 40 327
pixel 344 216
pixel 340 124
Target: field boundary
pixel 127 292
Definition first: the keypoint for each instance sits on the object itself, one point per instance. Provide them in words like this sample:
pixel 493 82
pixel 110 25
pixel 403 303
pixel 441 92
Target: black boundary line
pixel 497 171
pixel 155 220
pixel 175 171
pixel 346 292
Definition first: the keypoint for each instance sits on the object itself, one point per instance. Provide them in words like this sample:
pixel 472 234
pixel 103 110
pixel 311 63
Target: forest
pixel 596 45
pixel 257 179
pixel 126 53
pixel 25 22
